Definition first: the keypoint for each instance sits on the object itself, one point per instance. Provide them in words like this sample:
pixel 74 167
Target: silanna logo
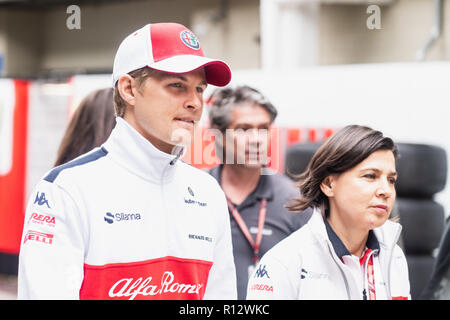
pixel 121 217
pixel 304 274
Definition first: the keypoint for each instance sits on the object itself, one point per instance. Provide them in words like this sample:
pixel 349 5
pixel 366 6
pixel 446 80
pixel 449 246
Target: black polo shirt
pixel 278 190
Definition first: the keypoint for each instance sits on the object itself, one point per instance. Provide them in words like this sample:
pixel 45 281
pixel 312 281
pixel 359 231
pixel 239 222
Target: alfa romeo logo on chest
pixel 190 39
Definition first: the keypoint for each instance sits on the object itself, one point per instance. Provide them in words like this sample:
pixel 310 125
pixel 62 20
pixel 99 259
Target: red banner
pixel 13 175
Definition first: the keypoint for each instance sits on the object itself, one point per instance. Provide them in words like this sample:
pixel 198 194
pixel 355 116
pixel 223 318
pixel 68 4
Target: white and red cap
pixel 167 47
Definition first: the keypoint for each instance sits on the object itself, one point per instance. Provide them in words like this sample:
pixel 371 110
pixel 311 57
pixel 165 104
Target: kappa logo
pixel 41 200
pixel 261 272
pixel 189 39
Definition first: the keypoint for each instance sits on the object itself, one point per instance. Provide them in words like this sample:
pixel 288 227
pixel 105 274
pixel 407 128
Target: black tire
pixel 420 268
pixel 439 285
pixel 423 225
pixel 298 157
pixel 422 170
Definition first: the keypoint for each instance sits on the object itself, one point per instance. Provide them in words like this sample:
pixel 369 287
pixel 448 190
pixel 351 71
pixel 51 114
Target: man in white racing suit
pixel 129 220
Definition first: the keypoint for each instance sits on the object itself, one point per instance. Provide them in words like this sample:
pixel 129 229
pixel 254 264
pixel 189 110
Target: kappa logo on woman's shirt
pixel 261 272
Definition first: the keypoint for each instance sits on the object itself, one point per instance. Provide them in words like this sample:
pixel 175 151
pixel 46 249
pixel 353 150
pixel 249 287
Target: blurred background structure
pixel 251 34
pixel 323 63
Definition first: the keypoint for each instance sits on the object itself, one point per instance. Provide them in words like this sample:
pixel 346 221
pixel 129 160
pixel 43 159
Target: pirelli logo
pixel 39 237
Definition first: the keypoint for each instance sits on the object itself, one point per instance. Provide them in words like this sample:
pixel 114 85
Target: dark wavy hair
pixel 223 100
pixel 341 152
pixel 90 126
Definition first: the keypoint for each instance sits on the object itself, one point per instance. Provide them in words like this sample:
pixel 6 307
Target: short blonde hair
pixel 141 75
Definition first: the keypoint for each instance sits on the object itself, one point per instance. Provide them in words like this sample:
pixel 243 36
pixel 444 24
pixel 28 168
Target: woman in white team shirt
pixel 348 248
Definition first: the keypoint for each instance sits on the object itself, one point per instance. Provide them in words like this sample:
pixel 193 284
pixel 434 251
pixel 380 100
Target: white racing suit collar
pixel 387 234
pixel 131 150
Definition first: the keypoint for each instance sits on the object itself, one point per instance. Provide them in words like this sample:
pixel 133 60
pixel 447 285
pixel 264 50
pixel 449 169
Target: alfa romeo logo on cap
pixel 190 39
